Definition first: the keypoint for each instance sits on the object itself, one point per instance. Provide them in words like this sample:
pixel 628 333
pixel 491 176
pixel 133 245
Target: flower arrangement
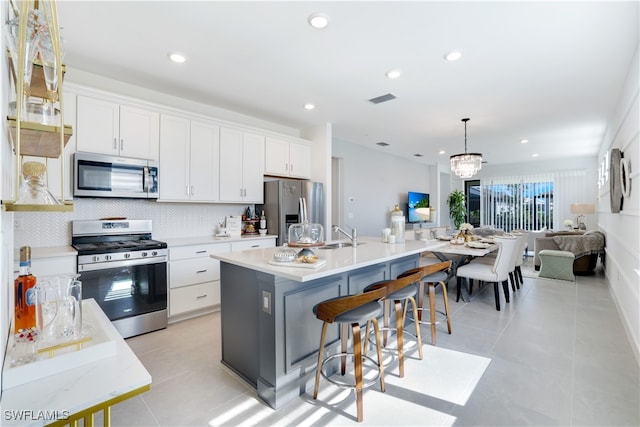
pixel 568 223
pixel 465 226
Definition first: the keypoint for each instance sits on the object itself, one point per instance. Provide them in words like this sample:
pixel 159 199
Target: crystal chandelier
pixel 468 164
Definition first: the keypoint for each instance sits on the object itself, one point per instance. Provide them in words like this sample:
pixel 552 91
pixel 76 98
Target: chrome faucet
pixel 353 236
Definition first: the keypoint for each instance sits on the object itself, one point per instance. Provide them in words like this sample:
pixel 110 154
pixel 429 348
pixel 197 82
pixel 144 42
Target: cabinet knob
pixel 201 296
pixel 115 143
pixel 193 190
pixel 121 144
pixel 201 271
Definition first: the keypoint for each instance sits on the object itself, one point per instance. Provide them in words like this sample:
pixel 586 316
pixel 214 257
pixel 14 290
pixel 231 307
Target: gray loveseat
pixel 586 246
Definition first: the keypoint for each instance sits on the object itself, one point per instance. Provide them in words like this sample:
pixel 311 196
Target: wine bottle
pixel 263 221
pixel 25 294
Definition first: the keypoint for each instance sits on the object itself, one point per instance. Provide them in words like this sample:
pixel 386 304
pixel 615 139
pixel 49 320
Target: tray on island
pixel 298 264
pixel 306 245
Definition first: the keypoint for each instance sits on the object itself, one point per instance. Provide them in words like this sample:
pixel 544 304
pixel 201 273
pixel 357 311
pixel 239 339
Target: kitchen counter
pixel 370 251
pixel 47 252
pixel 80 389
pixel 200 240
pixel 270 336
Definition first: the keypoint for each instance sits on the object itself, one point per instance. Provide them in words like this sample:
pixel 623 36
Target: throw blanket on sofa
pixel 591 242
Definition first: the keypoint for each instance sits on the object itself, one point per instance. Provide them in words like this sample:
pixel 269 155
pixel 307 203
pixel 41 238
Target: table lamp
pixel 581 209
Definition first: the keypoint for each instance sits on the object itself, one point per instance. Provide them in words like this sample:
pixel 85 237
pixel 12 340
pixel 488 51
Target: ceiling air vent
pixel 382 98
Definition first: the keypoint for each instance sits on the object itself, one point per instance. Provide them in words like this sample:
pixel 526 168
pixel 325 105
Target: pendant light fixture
pixel 468 164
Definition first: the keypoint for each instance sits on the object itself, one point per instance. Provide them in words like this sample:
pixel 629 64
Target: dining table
pixel 460 254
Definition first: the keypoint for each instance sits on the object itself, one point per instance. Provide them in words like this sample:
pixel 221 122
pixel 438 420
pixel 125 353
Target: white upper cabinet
pixel 204 162
pixel 287 158
pixel 189 159
pixel 110 128
pixel 174 159
pixel 241 166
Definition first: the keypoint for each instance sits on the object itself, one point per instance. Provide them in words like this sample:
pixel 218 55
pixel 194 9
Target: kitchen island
pixel 270 336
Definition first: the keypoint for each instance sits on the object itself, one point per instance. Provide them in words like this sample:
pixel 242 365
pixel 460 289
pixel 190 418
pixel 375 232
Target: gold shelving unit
pixel 31 138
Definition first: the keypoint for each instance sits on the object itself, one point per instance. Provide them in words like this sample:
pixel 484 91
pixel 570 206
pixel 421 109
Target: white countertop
pixel 81 387
pixel 371 251
pixel 200 240
pixel 63 251
pixel 47 252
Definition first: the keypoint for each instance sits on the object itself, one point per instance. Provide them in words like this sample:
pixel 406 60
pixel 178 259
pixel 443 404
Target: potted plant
pixel 457 207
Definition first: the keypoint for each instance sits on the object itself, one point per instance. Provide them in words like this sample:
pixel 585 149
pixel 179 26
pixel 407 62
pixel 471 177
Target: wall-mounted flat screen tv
pixel 418 206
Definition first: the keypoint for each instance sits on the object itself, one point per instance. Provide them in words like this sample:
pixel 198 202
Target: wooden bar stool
pixel 399 291
pixel 433 275
pixel 350 310
pixel 355 310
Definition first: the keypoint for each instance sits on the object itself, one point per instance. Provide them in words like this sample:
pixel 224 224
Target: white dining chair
pixel 495 273
pixel 520 258
pixel 515 275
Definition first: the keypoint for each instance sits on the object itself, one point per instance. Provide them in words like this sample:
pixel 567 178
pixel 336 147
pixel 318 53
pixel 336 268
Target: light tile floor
pixel 558 357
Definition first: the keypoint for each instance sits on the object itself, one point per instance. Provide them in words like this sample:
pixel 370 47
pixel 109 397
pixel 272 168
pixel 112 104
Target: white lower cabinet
pixel 194 297
pixel 194 277
pixel 253 244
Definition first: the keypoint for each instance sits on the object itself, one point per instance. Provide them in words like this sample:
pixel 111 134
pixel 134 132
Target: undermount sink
pixel 339 245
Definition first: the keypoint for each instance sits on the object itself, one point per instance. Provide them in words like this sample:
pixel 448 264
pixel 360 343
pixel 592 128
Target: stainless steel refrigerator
pixel 282 205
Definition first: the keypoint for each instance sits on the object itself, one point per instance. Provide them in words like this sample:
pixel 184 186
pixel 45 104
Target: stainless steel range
pixel 125 271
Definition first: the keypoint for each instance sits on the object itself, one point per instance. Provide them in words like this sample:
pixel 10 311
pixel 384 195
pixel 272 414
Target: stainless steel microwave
pixel 101 175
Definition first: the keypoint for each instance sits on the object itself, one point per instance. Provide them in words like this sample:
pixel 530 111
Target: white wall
pixel 623 229
pixel 373 182
pixel 169 219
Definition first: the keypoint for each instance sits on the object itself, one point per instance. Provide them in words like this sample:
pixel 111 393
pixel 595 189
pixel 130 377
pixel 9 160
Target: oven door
pixel 126 288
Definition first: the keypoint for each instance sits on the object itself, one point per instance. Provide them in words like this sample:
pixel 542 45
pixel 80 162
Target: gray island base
pixel 270 336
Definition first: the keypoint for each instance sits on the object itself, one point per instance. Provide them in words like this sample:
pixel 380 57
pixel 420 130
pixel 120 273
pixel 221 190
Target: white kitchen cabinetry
pixel 194 277
pixel 189 159
pixel 110 128
pixel 287 158
pixel 253 244
pixel 241 166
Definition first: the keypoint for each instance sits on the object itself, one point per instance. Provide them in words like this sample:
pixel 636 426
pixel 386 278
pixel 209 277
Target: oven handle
pixel 145 179
pixel 120 264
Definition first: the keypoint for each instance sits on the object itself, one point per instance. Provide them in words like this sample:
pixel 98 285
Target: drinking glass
pixel 70 322
pixel 50 63
pixel 12 32
pixel 47 296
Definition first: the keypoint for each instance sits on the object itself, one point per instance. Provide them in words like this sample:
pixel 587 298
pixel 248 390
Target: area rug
pixel 427 394
pixel 429 390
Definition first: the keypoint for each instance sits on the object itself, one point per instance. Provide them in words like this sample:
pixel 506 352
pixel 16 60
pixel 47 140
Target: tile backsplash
pixel 38 229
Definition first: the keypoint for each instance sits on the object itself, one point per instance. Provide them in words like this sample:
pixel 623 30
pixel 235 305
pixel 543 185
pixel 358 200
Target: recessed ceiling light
pixel 441 152
pixel 318 20
pixel 524 141
pixel 453 55
pixel 534 155
pixel 177 57
pixel 309 106
pixel 393 74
